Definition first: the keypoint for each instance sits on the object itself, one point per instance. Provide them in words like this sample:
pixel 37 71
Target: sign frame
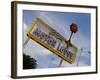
pixel 29 34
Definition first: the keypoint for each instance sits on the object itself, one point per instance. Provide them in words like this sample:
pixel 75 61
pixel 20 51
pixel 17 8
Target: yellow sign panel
pixel 52 40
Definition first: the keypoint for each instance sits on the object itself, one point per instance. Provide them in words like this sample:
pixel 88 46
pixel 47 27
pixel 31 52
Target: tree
pixel 28 62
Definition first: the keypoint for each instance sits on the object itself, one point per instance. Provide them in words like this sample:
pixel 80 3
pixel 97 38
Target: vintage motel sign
pixel 52 40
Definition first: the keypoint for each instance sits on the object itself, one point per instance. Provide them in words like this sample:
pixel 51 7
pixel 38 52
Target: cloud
pixel 54 23
pixel 25 27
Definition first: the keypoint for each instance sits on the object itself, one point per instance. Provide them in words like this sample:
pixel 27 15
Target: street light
pixel 73 29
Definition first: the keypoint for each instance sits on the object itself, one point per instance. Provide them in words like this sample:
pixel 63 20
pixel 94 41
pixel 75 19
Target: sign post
pixel 25 43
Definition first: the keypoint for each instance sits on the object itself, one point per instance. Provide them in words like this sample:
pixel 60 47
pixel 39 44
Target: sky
pixel 60 21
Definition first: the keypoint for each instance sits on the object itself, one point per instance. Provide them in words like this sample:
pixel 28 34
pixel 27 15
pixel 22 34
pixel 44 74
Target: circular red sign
pixel 74 28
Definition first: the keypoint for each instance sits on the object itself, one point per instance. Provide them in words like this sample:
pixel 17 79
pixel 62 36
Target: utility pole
pixel 79 57
pixel 81 51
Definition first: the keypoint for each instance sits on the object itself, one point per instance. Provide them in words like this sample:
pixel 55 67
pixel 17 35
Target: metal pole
pixel 25 43
pixel 70 37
